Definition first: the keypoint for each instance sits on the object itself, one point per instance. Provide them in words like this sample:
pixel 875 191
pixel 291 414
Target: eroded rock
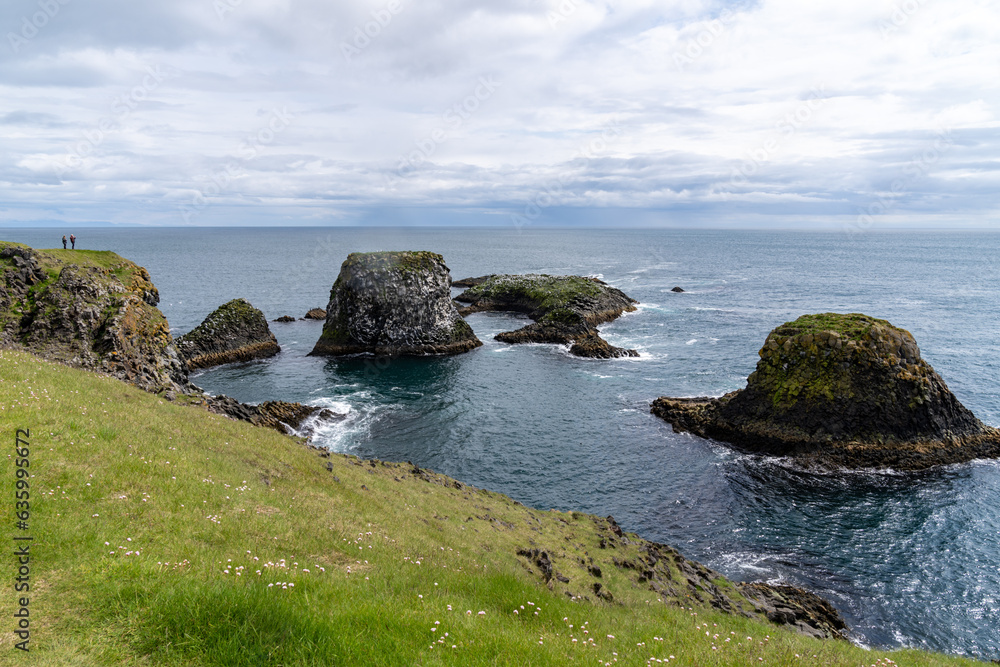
pixel 235 331
pixel 841 390
pixel 566 309
pixel 394 303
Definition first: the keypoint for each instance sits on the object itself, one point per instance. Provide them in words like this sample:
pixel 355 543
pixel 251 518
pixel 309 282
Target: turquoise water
pixel 909 559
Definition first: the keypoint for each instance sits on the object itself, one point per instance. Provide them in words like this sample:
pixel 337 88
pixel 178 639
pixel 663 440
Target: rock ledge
pixel 566 309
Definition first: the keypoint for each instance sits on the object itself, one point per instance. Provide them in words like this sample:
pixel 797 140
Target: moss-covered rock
pixel 235 331
pixel 847 390
pixel 393 303
pixel 87 308
pixel 566 309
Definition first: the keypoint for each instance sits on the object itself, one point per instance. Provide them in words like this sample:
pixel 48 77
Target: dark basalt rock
pixel 841 390
pixel 288 418
pixel 235 331
pixel 394 303
pixel 95 311
pixel 469 282
pixel 315 314
pixel 284 318
pixel 677 289
pixel 566 309
pixel 805 612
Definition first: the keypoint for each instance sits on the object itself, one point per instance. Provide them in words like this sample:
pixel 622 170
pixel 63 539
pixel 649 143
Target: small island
pixel 235 331
pixel 394 304
pixel 565 309
pixel 838 390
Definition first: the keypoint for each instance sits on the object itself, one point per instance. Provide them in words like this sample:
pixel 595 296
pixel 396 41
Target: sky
pixel 855 114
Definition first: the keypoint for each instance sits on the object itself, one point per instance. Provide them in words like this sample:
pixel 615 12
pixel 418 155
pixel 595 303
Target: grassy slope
pixel 140 507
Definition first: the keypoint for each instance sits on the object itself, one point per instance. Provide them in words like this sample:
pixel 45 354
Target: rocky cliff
pixel 235 331
pixel 393 303
pixel 843 390
pixel 566 309
pixel 91 309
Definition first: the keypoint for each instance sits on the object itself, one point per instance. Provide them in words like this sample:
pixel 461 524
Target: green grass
pixel 151 520
pixel 851 326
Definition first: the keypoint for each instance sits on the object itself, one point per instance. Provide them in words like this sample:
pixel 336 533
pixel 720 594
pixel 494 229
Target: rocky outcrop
pixel 841 390
pixel 284 318
pixel 393 303
pixel 315 314
pixel 288 418
pixel 235 331
pixel 469 282
pixel 675 579
pixel 566 309
pixel 677 289
pixel 96 311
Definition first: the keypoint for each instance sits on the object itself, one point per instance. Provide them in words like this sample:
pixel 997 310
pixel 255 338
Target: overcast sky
pixel 790 113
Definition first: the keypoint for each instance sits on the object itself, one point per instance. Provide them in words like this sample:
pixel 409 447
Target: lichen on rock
pixel 846 390
pixel 565 309
pixel 394 303
pixel 90 309
pixel 235 331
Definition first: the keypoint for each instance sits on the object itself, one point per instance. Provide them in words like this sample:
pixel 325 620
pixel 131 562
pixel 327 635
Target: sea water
pixel 909 559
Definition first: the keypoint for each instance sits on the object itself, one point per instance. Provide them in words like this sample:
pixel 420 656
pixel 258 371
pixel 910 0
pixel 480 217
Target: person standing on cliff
pixel 64 241
pixel 72 240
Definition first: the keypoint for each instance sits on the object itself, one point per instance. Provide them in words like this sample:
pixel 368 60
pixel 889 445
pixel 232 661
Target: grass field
pixel 164 535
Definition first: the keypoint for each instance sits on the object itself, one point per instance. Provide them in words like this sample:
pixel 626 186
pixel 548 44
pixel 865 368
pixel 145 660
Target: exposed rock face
pixel 315 314
pixel 677 580
pixel 90 309
pixel 235 331
pixel 469 282
pixel 566 309
pixel 288 418
pixel 394 303
pixel 841 390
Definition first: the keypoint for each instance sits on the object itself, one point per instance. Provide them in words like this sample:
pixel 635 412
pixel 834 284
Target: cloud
pixel 113 109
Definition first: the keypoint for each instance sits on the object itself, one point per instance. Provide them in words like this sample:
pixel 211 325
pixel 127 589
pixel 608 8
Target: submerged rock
pixel 841 390
pixel 90 309
pixel 566 309
pixel 235 331
pixel 394 303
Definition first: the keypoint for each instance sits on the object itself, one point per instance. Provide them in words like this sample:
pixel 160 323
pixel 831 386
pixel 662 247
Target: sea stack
pixel 841 391
pixel 394 303
pixel 235 331
pixel 565 309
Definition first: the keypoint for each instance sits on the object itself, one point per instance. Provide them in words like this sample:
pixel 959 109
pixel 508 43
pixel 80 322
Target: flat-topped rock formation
pixel 235 331
pixel 394 303
pixel 90 309
pixel 841 390
pixel 566 309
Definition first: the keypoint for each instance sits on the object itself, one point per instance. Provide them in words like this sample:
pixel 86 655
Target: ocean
pixel 909 559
